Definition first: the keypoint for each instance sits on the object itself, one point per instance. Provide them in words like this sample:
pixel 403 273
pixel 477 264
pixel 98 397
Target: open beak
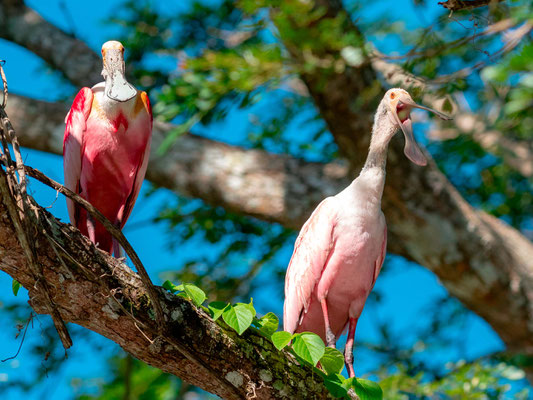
pixel 116 85
pixel 401 110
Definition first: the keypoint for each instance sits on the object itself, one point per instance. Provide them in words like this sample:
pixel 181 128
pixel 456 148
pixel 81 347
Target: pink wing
pixel 311 252
pixel 146 125
pixel 381 258
pixel 76 121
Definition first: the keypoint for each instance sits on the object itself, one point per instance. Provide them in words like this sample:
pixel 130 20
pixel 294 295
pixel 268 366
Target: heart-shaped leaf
pixel 194 293
pixel 268 324
pixel 239 317
pixel 334 385
pixel 281 339
pixel 170 286
pixel 308 346
pixel 216 308
pixel 332 361
pixel 367 390
pixel 15 286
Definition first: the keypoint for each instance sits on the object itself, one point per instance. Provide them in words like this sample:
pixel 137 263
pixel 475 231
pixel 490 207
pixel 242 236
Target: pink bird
pixel 106 148
pixel 340 249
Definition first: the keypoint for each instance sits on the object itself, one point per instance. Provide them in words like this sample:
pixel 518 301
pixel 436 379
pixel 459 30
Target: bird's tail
pixel 118 251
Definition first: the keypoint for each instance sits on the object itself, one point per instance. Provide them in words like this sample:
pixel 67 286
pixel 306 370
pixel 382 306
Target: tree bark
pixel 94 290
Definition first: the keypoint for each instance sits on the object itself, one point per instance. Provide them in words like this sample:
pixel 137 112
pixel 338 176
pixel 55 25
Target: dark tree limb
pixel 458 5
pixel 22 210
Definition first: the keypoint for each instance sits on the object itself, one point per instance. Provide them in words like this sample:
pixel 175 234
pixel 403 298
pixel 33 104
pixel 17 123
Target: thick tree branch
pixel 271 187
pixel 94 290
pixel 23 26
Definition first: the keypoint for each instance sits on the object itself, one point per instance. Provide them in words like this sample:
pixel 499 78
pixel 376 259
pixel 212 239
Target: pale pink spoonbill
pixel 340 249
pixel 106 148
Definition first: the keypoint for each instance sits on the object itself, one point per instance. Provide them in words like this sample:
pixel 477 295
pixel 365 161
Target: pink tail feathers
pixel 118 251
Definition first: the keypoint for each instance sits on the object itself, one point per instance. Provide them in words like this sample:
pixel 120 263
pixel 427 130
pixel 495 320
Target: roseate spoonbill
pixel 340 249
pixel 106 148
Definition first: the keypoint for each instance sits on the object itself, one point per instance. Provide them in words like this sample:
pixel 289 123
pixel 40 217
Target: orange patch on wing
pixel 142 103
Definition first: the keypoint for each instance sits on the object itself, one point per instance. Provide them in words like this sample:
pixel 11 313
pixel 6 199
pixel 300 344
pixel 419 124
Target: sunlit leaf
pixel 308 346
pixel 194 293
pixel 268 324
pixel 367 390
pixel 281 339
pixel 332 361
pixel 239 317
pixel 216 308
pixel 170 286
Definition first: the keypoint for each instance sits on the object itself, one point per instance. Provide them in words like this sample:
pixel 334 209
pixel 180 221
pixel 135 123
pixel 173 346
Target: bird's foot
pixel 121 259
pixel 348 361
pixel 330 338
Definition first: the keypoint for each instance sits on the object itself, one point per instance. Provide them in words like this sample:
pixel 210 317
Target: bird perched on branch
pixel 106 148
pixel 340 249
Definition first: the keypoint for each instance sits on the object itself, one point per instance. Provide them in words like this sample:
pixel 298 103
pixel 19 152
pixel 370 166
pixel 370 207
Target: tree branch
pixel 458 5
pixel 271 187
pixel 94 290
pixel 23 26
pixel 517 155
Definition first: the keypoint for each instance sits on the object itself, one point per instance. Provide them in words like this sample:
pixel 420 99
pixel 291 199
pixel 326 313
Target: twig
pixel 22 341
pixel 113 230
pixel 458 5
pixel 4 80
pixel 512 40
pixel 22 214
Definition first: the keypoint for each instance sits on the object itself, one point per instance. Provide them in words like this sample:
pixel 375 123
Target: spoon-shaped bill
pixel 411 149
pixel 411 103
pixel 118 88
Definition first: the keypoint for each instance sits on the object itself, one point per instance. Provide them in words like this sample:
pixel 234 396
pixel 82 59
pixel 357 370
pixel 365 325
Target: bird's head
pixel 116 85
pixel 399 108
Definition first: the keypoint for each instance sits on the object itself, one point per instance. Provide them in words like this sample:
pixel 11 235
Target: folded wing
pixel 311 252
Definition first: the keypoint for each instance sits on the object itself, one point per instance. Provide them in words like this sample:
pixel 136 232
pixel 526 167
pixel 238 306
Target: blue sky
pixel 408 289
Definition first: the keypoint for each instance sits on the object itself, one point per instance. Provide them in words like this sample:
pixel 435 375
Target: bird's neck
pixel 382 132
pixel 371 180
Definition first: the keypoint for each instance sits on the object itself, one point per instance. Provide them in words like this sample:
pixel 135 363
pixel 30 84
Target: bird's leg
pixel 330 336
pixel 91 228
pixel 348 350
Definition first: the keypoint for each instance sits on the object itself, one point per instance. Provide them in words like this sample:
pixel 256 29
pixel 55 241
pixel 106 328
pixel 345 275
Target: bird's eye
pixel 392 95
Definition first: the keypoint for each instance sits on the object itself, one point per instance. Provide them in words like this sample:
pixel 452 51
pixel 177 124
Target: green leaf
pixel 332 361
pixel 250 306
pixel 170 286
pixel 366 390
pixel 281 339
pixel 334 384
pixel 15 286
pixel 216 308
pixel 239 317
pixel 268 324
pixel 196 294
pixel 191 292
pixel 308 346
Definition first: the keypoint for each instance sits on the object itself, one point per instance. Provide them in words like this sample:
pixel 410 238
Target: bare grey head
pixel 394 112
